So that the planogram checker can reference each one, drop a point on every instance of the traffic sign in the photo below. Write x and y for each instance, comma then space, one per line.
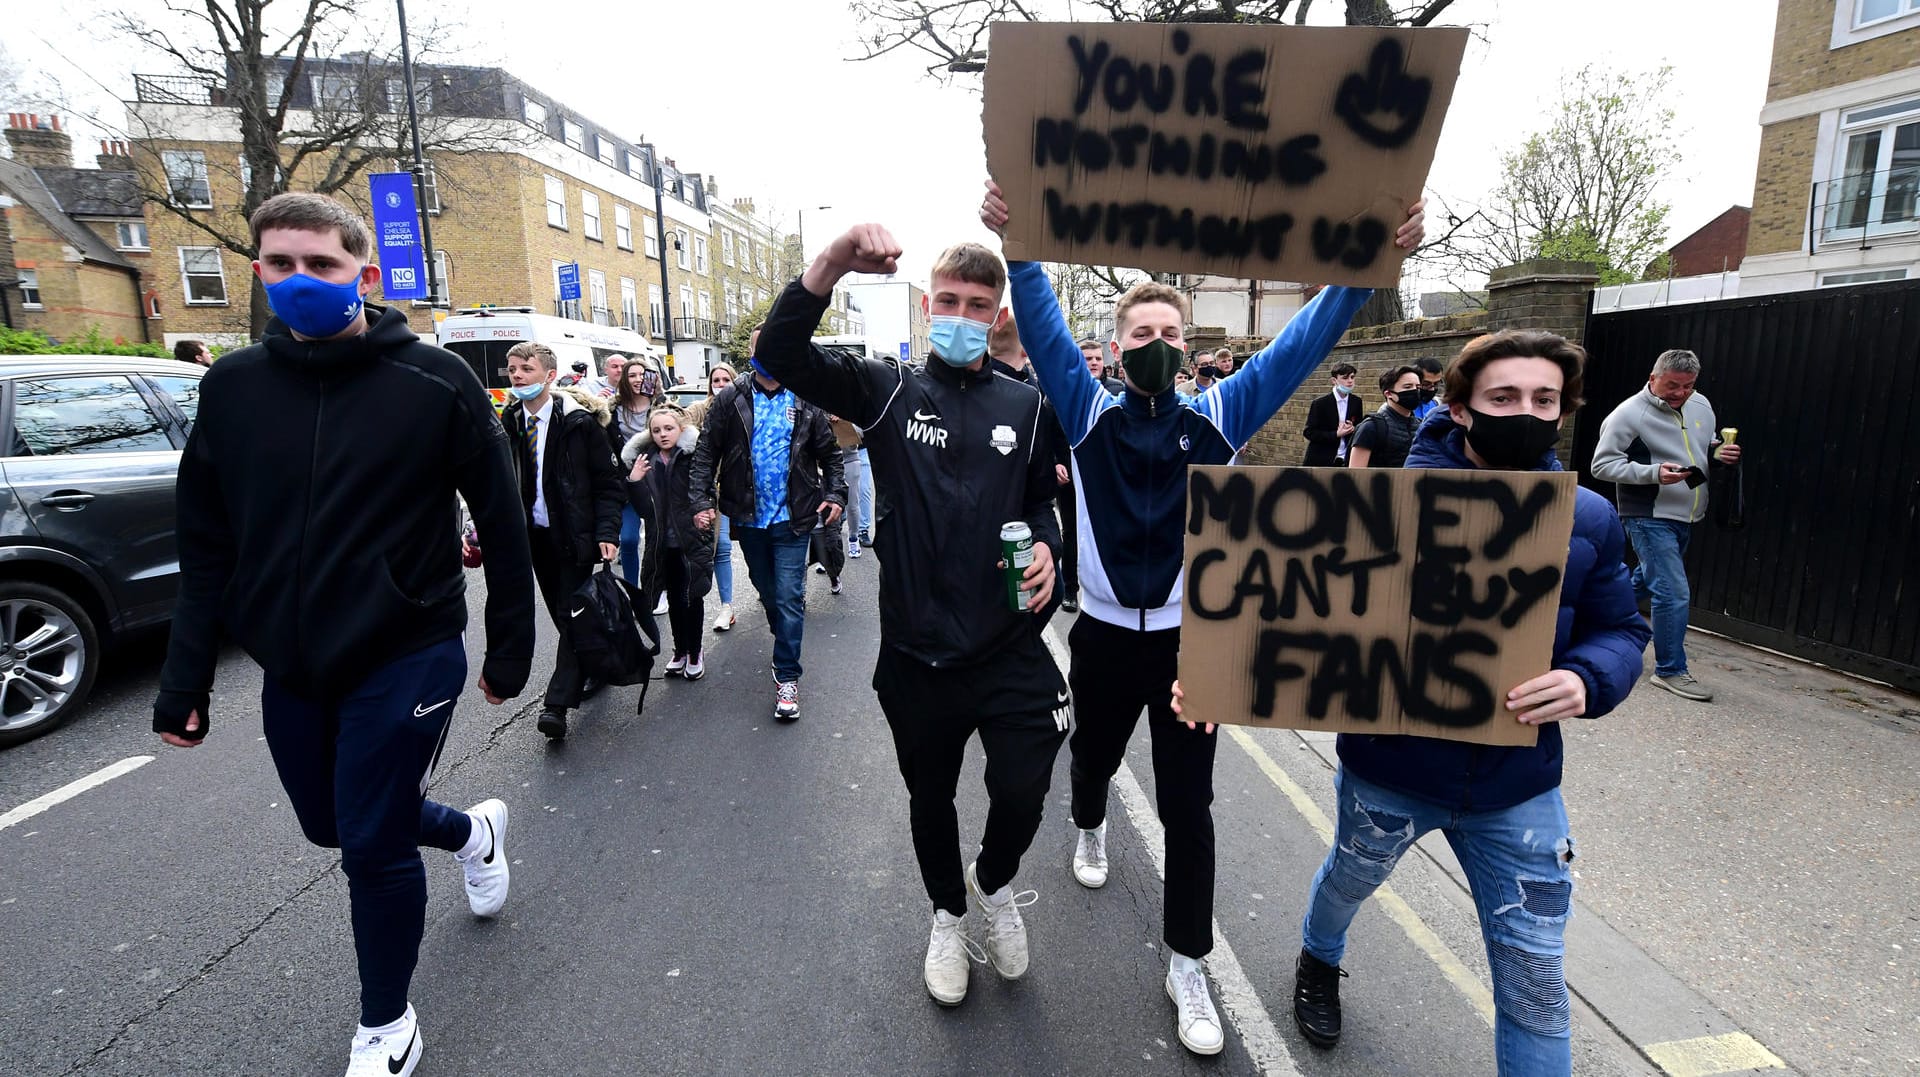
570, 281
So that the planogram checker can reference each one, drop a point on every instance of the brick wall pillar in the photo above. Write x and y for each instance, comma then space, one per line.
1544, 293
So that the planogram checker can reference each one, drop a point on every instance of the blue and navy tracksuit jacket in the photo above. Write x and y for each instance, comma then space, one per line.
1131, 452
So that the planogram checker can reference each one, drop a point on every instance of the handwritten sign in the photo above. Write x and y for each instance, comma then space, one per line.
1266, 152
1371, 601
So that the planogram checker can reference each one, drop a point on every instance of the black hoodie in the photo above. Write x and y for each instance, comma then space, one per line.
317, 520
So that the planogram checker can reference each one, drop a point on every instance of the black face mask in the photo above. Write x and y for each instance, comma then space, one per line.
1151, 366
1210, 372
1426, 393
1409, 398
1511, 442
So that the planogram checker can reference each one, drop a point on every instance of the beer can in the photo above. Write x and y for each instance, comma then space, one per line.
1016, 549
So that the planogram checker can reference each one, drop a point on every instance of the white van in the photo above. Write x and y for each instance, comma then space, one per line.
482, 335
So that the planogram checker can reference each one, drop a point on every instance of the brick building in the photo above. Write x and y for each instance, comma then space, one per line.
1715, 247
1839, 175
73, 243
521, 185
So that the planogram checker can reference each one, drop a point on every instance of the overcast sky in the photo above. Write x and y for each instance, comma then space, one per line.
759, 94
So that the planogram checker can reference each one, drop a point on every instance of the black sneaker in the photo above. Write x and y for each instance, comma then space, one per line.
865, 540
553, 723
1316, 1000
591, 687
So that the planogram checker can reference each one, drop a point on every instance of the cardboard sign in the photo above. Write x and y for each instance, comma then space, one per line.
1371, 600
1263, 152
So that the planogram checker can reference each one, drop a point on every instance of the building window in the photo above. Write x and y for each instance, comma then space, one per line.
686, 300
637, 165
732, 305
203, 276
706, 305
426, 188
1868, 12
397, 96
607, 154
682, 253
746, 252
130, 236
629, 304
590, 214
726, 246
597, 296
187, 178
153, 304
335, 92
1876, 188
30, 289
651, 228
700, 254
1862, 276
573, 135
535, 114
556, 202
656, 313
622, 227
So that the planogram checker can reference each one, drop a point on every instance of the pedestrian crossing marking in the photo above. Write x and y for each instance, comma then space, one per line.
1703, 1056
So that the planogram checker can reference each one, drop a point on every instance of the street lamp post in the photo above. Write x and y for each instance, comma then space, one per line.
419, 168
660, 228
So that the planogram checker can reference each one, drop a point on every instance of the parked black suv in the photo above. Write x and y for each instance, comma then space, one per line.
87, 548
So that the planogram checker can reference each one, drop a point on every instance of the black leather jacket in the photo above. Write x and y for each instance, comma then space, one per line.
725, 456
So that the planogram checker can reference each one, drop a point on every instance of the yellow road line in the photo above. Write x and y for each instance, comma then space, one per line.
1397, 910
1734, 1052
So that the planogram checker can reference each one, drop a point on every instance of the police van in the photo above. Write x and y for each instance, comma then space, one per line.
482, 336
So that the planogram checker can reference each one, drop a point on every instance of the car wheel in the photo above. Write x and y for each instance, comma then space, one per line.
49, 654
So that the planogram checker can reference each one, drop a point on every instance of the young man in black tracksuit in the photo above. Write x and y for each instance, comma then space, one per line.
318, 527
572, 492
956, 451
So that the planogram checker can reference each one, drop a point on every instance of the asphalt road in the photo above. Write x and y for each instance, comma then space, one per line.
699, 890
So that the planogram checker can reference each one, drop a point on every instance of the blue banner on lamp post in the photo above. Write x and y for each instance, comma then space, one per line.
396, 227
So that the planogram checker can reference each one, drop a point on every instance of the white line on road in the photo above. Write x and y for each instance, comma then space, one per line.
73, 789
1244, 1007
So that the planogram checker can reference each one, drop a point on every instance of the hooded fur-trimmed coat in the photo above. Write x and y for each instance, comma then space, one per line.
664, 496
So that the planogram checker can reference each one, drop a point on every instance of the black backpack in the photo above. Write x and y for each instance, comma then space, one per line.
614, 637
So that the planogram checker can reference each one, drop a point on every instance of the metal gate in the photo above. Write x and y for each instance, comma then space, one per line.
1824, 387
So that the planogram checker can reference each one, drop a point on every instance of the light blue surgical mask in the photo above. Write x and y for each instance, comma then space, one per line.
527, 392
958, 341
313, 307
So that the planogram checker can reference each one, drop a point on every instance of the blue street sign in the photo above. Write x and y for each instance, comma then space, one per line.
570, 281
396, 227
906, 351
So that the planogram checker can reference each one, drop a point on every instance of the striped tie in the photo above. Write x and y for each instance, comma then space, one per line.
533, 444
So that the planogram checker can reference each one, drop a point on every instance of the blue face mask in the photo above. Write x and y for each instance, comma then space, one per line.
958, 341
314, 308
527, 392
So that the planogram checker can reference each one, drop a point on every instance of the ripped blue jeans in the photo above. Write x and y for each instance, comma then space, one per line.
1518, 862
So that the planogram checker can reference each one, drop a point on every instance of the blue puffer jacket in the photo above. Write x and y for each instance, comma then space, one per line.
1599, 636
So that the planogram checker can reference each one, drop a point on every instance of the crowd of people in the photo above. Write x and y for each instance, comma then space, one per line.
317, 536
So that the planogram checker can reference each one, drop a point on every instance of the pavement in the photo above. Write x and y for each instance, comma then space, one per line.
697, 889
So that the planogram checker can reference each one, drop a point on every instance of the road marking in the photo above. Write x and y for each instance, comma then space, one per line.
1396, 908
1238, 998
73, 789
1704, 1056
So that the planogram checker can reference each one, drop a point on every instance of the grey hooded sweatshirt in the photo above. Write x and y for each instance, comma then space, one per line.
1643, 433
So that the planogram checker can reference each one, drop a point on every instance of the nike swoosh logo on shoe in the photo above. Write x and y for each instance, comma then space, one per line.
422, 712
395, 1065
488, 859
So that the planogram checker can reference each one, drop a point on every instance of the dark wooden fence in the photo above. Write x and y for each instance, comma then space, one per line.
1824, 387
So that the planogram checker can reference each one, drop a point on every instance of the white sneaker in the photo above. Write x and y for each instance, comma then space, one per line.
1090, 858
1199, 1025
390, 1054
677, 665
853, 548
486, 870
724, 622
1006, 931
660, 607
786, 701
949, 952
696, 667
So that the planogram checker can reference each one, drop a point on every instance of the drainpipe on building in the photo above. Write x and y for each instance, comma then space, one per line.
140, 304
